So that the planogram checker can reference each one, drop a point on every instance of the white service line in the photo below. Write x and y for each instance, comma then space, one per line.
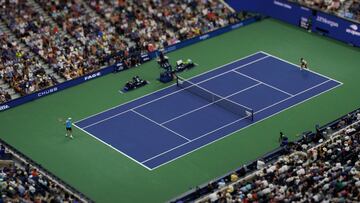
297, 66
263, 83
108, 118
297, 94
227, 135
164, 96
182, 115
98, 139
166, 128
243, 118
236, 60
268, 55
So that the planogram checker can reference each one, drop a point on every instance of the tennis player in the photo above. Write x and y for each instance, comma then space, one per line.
303, 64
68, 125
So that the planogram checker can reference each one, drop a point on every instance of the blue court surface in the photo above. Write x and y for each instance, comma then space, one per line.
170, 123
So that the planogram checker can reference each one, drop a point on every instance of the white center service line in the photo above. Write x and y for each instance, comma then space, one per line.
182, 115
263, 83
172, 93
240, 119
166, 128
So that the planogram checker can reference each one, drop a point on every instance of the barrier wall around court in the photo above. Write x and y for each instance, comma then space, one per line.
119, 66
307, 138
320, 22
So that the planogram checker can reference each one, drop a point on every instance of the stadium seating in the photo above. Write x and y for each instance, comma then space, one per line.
22, 182
43, 43
155, 24
47, 42
328, 172
20, 70
325, 168
344, 8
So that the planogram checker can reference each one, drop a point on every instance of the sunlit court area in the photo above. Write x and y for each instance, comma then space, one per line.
179, 101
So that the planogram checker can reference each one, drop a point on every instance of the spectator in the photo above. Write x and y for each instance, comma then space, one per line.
21, 183
81, 42
344, 8
328, 172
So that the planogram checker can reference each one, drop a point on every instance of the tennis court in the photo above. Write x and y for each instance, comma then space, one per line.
170, 123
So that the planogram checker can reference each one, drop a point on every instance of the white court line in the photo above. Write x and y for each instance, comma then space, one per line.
196, 84
297, 94
178, 157
164, 96
108, 118
166, 128
297, 66
98, 139
340, 83
171, 85
226, 72
224, 126
289, 94
192, 111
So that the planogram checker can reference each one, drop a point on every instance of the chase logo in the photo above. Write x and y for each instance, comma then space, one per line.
4, 107
354, 27
48, 91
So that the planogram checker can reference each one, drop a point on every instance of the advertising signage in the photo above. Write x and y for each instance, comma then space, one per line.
119, 66
338, 28
317, 21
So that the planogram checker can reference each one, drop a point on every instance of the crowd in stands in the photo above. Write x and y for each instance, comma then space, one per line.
332, 5
19, 69
155, 24
324, 170
4, 96
20, 182
354, 9
344, 8
98, 38
76, 37
55, 48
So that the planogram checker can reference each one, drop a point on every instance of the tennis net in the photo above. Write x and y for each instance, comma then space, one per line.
223, 102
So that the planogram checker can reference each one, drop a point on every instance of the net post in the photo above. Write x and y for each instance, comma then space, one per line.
252, 115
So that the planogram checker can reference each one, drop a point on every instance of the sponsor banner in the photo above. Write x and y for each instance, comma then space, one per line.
54, 89
247, 5
92, 76
283, 4
4, 107
119, 66
279, 9
47, 92
323, 23
337, 28
145, 57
